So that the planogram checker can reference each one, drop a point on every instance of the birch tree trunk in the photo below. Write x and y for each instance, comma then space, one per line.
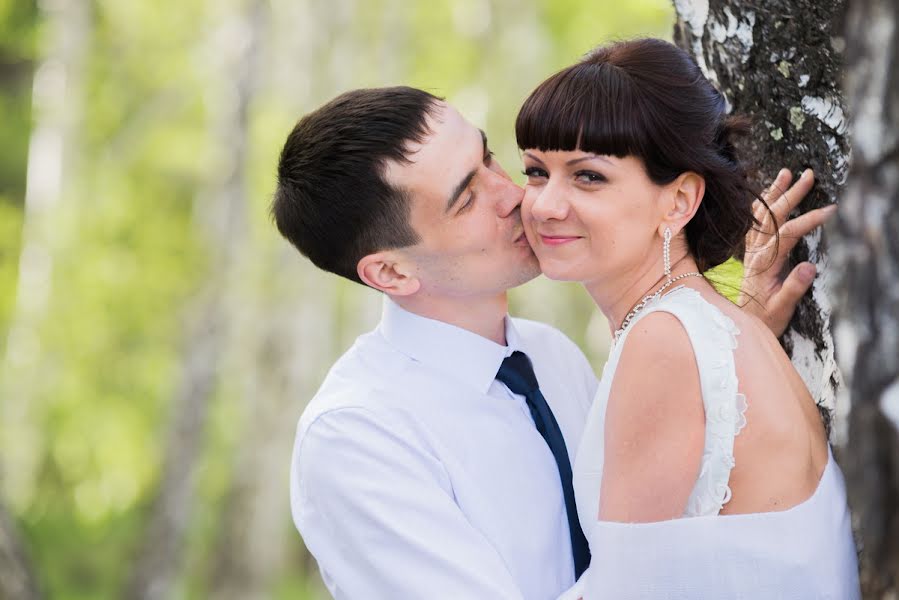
56, 104
17, 579
285, 344
780, 62
783, 60
222, 215
866, 255
56, 108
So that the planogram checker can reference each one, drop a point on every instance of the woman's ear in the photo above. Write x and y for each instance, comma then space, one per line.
387, 272
686, 195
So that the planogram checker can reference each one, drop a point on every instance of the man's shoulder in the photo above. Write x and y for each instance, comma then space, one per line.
360, 380
345, 392
342, 398
345, 420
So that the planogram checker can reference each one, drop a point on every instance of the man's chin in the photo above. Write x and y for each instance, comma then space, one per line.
525, 275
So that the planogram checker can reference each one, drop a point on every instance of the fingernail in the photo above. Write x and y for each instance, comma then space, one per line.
830, 209
807, 272
807, 173
783, 172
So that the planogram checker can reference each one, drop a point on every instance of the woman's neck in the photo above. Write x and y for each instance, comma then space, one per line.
616, 298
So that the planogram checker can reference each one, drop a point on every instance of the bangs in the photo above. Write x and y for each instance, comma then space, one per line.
588, 107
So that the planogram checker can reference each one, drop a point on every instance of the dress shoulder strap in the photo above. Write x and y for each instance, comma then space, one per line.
713, 336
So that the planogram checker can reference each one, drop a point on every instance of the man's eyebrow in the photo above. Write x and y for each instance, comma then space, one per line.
457, 191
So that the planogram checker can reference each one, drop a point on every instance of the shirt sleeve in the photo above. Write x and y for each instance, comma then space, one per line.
376, 509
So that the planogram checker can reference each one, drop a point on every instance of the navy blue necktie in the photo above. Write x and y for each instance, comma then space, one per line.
518, 375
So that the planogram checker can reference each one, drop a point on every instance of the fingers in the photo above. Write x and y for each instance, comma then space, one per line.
807, 222
794, 230
782, 304
759, 256
790, 199
771, 194
778, 186
762, 211
781, 199
773, 254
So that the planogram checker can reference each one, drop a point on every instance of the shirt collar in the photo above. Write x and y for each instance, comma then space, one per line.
463, 355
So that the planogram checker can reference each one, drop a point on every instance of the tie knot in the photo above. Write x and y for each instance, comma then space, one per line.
516, 372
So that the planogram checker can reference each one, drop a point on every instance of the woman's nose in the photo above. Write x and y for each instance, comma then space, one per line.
549, 204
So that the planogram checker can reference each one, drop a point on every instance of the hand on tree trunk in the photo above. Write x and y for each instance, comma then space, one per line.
765, 292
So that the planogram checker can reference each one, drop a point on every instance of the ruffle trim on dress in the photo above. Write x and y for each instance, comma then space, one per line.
725, 411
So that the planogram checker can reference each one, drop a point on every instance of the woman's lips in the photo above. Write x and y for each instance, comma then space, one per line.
557, 240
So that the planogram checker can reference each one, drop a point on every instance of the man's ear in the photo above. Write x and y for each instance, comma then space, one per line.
685, 196
387, 272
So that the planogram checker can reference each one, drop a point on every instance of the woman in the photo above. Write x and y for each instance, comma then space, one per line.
704, 470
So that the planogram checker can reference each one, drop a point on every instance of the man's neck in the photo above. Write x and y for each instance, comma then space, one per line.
485, 316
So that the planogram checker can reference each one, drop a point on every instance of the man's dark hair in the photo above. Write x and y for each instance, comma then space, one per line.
332, 201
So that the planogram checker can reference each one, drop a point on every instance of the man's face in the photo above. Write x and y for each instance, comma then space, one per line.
466, 211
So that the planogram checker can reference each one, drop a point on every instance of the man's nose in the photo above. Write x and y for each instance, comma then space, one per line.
509, 195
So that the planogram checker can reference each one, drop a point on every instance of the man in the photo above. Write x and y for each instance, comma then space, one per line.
424, 467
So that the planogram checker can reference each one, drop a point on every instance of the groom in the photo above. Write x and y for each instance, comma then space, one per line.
435, 460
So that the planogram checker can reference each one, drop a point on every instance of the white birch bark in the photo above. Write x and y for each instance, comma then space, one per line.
56, 103
287, 343
56, 108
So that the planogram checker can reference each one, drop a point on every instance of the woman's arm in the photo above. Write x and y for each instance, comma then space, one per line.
655, 425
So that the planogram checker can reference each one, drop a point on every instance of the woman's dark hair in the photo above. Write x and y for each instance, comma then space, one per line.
332, 201
647, 98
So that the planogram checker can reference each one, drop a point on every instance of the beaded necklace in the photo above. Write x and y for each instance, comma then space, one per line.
649, 298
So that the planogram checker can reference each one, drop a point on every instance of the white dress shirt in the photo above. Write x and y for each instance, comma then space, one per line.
415, 474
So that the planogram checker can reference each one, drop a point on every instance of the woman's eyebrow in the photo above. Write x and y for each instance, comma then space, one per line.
590, 157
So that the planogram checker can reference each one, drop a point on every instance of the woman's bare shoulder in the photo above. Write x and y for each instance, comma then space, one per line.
655, 424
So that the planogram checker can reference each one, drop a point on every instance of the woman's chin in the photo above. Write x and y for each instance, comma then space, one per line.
557, 272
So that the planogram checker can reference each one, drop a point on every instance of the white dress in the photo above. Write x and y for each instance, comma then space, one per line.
803, 552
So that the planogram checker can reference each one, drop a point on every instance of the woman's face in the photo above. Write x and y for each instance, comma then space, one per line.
591, 218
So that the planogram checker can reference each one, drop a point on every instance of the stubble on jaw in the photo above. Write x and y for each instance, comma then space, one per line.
528, 272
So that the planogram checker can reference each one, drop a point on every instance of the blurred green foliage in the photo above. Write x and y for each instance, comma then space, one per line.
129, 256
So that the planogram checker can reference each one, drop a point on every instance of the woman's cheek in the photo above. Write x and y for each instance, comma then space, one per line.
526, 218
527, 203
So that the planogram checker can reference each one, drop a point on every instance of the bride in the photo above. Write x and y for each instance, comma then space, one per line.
704, 470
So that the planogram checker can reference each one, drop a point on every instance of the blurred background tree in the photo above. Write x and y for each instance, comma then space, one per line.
159, 339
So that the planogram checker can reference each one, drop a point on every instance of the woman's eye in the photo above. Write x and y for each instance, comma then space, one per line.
589, 177
534, 172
